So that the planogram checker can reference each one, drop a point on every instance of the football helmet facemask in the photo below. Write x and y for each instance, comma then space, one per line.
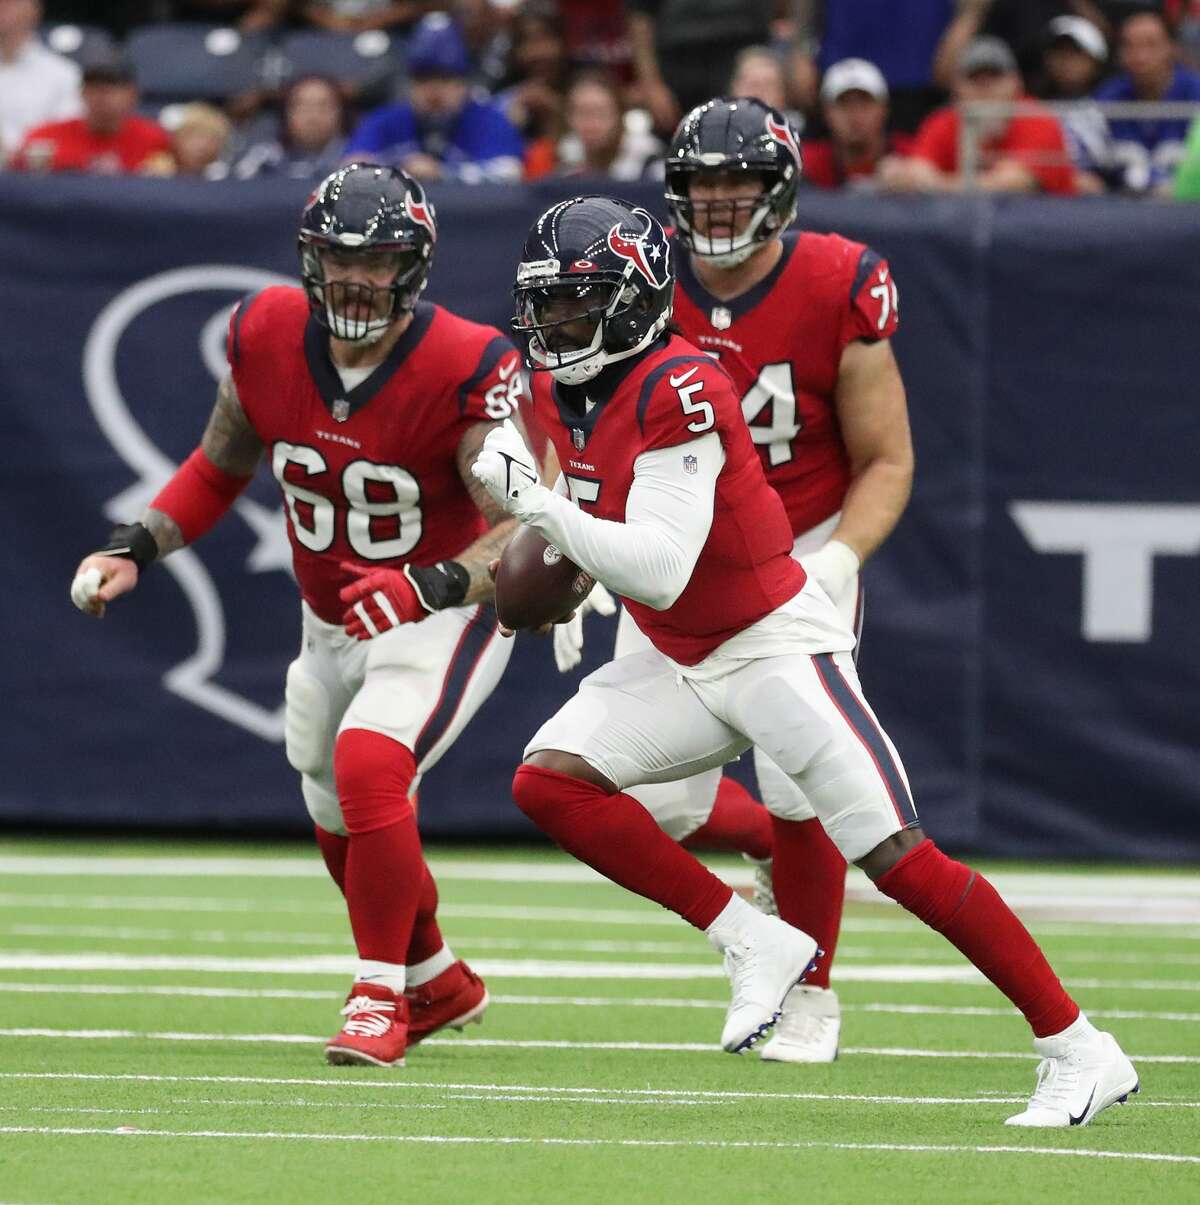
382, 215
595, 285
733, 135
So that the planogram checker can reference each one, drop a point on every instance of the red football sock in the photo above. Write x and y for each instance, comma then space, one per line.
333, 849
967, 910
737, 822
384, 865
615, 835
809, 876
426, 938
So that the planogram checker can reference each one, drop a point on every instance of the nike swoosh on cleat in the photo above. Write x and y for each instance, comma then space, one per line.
1078, 1121
677, 381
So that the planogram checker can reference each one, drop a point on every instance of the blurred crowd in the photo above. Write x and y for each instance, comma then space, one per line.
507, 90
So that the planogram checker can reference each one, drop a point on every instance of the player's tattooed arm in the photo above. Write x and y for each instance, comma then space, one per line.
477, 556
230, 443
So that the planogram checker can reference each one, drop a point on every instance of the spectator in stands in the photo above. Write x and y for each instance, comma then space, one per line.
604, 138
682, 49
899, 38
199, 135
109, 139
247, 15
1073, 58
36, 85
1021, 153
441, 132
597, 35
760, 73
488, 41
854, 103
1145, 153
536, 100
1020, 23
313, 139
358, 16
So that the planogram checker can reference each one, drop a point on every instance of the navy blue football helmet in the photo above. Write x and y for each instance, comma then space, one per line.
366, 210
595, 285
733, 134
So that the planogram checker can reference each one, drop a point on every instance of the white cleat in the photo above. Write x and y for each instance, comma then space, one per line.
808, 1029
764, 886
763, 963
1077, 1079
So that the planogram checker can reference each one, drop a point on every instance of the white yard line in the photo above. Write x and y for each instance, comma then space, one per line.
245, 993
403, 1084
519, 968
655, 1143
524, 1044
177, 934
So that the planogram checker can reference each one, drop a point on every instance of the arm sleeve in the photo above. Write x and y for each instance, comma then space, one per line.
873, 312
495, 389
650, 557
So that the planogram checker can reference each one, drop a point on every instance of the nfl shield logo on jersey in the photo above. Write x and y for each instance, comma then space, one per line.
341, 410
690, 465
578, 438
720, 318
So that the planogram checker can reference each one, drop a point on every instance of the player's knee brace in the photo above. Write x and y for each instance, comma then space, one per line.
373, 774
929, 884
322, 805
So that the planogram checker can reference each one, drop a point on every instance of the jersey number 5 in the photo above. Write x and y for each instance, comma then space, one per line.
706, 419
314, 516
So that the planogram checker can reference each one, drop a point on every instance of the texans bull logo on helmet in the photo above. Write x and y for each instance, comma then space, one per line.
635, 250
419, 212
781, 131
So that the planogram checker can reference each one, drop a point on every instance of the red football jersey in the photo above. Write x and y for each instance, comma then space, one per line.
368, 474
781, 342
668, 396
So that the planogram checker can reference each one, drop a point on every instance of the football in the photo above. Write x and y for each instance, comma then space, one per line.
536, 584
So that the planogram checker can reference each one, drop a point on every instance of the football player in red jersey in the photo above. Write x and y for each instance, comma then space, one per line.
801, 322
662, 497
370, 405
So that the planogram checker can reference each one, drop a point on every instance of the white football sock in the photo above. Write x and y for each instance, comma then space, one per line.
1080, 1030
389, 974
422, 972
731, 921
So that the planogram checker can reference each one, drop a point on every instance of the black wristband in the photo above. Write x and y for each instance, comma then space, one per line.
132, 541
439, 586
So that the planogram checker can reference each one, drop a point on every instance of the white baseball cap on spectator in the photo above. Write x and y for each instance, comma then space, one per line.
1082, 32
853, 75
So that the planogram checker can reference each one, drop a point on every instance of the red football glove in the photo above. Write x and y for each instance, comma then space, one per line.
382, 599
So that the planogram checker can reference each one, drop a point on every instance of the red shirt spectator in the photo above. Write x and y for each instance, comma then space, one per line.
72, 146
824, 169
1034, 140
110, 138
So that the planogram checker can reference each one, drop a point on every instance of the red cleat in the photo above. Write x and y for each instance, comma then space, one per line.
376, 1029
455, 998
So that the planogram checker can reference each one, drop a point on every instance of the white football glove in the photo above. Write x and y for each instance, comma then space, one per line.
833, 566
568, 636
508, 471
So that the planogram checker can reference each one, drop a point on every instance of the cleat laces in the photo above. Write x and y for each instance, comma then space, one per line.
369, 1018
1057, 1079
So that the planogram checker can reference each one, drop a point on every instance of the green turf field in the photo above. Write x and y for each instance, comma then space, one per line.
162, 1008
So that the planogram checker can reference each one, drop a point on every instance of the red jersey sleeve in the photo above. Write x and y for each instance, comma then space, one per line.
495, 389
873, 310
682, 399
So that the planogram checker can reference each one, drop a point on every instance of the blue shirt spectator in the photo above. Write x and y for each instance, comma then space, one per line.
1141, 156
440, 132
